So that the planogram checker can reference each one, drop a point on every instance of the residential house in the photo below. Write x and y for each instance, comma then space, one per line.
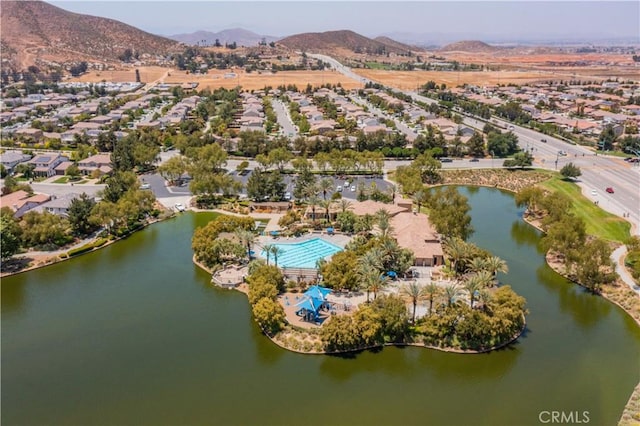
11, 159
29, 133
45, 164
101, 162
20, 202
58, 205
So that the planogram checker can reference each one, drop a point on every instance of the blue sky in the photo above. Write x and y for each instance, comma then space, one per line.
497, 20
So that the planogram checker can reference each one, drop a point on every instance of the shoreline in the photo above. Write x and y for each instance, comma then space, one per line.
399, 344
55, 259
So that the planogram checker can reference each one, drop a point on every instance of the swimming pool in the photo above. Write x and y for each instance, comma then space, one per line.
304, 254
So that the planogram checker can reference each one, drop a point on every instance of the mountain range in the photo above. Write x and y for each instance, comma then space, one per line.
37, 30
344, 39
240, 36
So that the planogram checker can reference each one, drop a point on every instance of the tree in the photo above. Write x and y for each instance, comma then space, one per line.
269, 314
26, 170
276, 251
9, 234
44, 229
473, 286
451, 293
391, 312
346, 221
246, 237
607, 138
448, 212
476, 145
409, 178
570, 171
80, 213
494, 265
502, 144
415, 292
122, 157
118, 184
520, 159
173, 168
594, 265
268, 249
73, 172
340, 272
431, 291
325, 185
530, 198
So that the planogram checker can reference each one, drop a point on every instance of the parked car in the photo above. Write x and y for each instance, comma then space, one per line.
145, 186
474, 160
179, 207
446, 160
562, 153
610, 190
287, 196
353, 188
594, 192
339, 188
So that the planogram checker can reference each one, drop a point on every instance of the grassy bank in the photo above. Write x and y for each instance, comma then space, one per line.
599, 223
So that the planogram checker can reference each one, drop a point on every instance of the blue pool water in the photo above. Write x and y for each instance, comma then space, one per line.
304, 254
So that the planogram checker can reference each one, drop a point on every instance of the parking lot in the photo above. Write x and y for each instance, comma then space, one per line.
346, 185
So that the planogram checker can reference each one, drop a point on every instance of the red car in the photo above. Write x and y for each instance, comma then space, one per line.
610, 190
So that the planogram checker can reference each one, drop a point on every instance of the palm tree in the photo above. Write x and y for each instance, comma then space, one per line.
415, 292
431, 291
477, 264
268, 249
368, 279
495, 265
379, 284
276, 251
451, 292
457, 251
326, 205
325, 185
344, 204
246, 237
484, 278
384, 222
369, 267
313, 203
484, 297
420, 197
472, 285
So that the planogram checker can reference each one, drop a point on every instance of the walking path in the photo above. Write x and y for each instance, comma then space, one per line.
618, 258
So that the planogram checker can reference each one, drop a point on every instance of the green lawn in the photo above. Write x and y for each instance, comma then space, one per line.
377, 66
63, 179
599, 222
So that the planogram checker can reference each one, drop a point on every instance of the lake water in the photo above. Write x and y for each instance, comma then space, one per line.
134, 334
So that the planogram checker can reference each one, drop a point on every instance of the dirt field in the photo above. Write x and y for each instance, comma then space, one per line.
254, 81
147, 75
214, 79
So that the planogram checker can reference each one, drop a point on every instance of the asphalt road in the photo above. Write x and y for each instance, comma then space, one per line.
284, 119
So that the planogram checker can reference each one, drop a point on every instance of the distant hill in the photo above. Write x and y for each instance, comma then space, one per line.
343, 39
475, 46
396, 44
241, 36
33, 30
